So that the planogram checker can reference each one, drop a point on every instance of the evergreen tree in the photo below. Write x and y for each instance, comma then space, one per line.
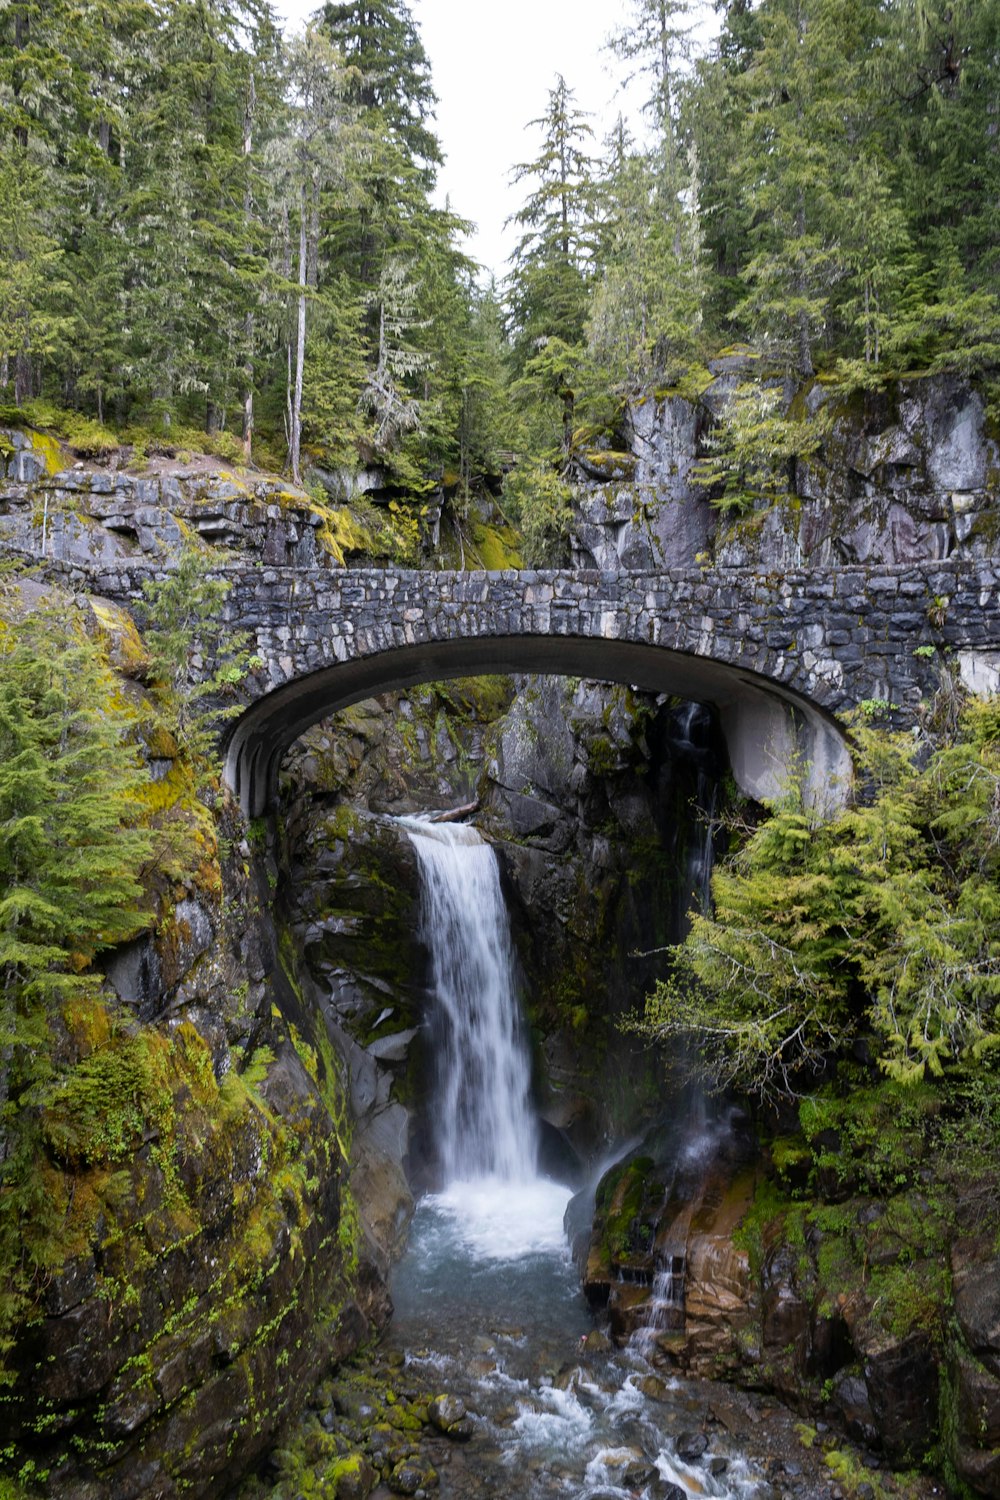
482, 378
390, 76
880, 922
547, 289
191, 239
181, 618
645, 309
73, 849
387, 82
312, 160
794, 163
658, 41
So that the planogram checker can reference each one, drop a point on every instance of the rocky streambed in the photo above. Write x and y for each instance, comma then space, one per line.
493, 1381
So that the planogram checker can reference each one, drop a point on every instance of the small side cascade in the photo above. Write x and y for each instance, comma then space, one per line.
665, 1309
701, 853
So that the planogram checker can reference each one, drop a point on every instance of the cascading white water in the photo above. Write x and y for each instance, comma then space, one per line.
484, 1123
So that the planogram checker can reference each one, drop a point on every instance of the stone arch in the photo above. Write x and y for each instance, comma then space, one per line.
770, 729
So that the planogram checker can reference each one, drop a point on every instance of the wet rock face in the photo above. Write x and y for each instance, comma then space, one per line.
677, 1258
976, 1368
348, 894
653, 517
659, 1256
214, 1272
591, 794
908, 475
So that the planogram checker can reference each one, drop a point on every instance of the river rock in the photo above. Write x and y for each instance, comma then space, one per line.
665, 1489
353, 1477
691, 1446
411, 1475
976, 1280
597, 1342
850, 1397
449, 1415
628, 1466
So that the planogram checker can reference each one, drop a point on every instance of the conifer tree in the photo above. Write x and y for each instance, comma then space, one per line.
390, 76
72, 845
547, 288
794, 161
658, 42
312, 161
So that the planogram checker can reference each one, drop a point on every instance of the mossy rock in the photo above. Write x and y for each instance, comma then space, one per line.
351, 1478
628, 1201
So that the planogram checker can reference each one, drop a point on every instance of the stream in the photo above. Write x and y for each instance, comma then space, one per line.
488, 1307
492, 1379
487, 1300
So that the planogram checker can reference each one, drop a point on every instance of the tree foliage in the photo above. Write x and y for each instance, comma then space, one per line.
210, 225
881, 924
183, 631
74, 852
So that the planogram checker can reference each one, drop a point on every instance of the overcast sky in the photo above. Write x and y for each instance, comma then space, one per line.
492, 66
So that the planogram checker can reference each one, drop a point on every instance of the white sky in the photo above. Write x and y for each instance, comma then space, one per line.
492, 66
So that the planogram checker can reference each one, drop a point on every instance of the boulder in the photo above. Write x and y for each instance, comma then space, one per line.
976, 1281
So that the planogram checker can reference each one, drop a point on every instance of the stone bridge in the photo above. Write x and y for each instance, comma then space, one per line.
783, 658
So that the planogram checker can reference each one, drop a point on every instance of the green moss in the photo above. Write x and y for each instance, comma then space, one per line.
82, 435
850, 1473
691, 385
602, 755
622, 1196
769, 1203
496, 548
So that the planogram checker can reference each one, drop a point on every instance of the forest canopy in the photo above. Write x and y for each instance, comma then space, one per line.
211, 226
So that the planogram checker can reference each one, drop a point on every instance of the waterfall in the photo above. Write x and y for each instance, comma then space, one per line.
700, 857
483, 1120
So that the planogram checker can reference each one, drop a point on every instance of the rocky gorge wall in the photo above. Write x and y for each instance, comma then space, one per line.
848, 1267
203, 1257
189, 1320
908, 474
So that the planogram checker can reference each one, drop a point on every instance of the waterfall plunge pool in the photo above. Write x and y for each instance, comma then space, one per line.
488, 1307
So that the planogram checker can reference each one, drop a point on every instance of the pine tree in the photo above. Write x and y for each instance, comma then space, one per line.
658, 41
181, 623
390, 77
196, 254
645, 310
312, 161
794, 162
388, 85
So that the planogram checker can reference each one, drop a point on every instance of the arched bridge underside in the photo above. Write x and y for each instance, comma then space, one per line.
784, 659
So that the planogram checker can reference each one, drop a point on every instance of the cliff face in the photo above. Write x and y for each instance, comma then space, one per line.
201, 1258
909, 474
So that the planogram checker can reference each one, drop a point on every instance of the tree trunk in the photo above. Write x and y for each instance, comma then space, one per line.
300, 341
806, 367
22, 377
21, 38
248, 321
568, 402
